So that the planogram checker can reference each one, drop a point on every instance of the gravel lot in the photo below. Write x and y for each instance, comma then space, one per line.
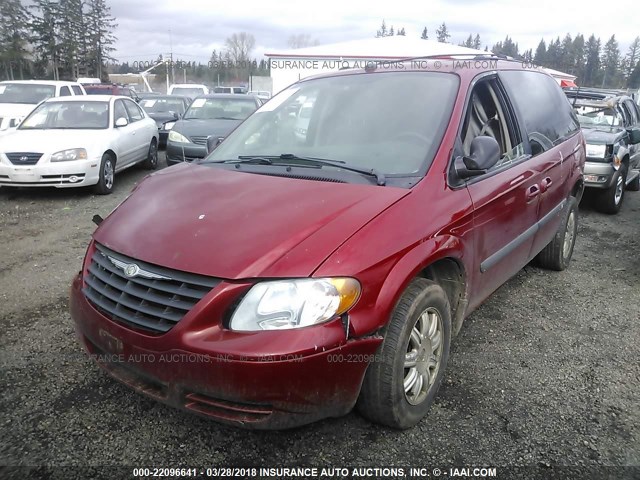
545, 373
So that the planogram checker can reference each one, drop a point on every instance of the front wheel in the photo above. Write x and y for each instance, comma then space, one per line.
107, 175
557, 254
402, 382
610, 200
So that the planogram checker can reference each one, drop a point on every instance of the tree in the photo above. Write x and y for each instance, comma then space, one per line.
567, 59
611, 63
540, 57
579, 54
554, 54
634, 79
13, 39
239, 46
632, 57
468, 42
476, 42
401, 32
592, 61
302, 40
390, 34
443, 34
425, 35
73, 39
100, 26
45, 27
383, 30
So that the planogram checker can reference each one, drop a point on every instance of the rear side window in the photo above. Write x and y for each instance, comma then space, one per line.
633, 112
76, 90
544, 108
65, 92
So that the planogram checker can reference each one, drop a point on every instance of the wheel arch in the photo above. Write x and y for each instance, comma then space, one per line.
113, 155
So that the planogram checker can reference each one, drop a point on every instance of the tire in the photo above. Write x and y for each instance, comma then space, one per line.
634, 185
383, 398
107, 175
557, 255
610, 200
151, 162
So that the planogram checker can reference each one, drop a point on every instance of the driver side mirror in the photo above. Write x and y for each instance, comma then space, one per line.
213, 142
485, 153
634, 135
122, 122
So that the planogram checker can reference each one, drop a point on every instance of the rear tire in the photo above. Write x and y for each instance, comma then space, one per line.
403, 380
557, 255
107, 175
610, 200
151, 162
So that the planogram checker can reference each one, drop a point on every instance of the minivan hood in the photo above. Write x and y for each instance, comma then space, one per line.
602, 135
236, 225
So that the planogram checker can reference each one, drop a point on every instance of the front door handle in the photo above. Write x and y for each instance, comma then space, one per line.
532, 192
545, 184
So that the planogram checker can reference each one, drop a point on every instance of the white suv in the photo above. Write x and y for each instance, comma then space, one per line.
191, 90
19, 97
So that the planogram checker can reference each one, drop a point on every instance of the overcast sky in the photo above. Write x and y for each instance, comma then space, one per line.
193, 28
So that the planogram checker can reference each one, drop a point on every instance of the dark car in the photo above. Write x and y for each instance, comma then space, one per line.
111, 89
163, 109
287, 278
610, 122
208, 116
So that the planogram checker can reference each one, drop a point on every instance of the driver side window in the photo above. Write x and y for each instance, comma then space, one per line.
486, 116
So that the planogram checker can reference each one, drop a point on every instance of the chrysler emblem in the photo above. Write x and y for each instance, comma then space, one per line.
131, 270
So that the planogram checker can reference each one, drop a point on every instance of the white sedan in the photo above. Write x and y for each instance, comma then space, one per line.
78, 141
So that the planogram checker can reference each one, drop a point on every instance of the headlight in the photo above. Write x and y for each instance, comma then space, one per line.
68, 155
169, 125
178, 137
287, 304
597, 151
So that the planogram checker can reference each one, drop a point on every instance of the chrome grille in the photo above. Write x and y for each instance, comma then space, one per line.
198, 140
155, 300
23, 158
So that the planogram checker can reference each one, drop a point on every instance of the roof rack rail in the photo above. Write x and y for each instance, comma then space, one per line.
474, 56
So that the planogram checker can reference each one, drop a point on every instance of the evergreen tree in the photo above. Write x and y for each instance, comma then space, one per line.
476, 42
402, 32
592, 61
468, 42
632, 57
566, 61
45, 28
383, 30
579, 54
443, 34
611, 63
634, 79
100, 26
390, 34
425, 35
540, 57
13, 39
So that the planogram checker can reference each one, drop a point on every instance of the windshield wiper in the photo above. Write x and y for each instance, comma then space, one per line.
245, 159
320, 162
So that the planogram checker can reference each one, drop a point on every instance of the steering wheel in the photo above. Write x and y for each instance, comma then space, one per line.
412, 136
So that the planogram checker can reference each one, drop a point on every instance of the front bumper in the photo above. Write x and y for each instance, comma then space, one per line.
264, 380
78, 173
598, 174
184, 152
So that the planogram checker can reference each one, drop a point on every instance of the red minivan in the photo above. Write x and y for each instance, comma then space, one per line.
307, 266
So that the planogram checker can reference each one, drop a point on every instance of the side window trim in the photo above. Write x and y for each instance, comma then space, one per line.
126, 114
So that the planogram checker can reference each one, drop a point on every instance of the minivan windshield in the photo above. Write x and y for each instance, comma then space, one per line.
187, 92
29, 93
392, 122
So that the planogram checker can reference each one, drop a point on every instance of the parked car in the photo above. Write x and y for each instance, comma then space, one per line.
165, 108
111, 89
212, 115
261, 94
190, 90
78, 141
611, 125
236, 90
19, 97
289, 281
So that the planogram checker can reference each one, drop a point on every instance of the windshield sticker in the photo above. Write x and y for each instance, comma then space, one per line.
199, 102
